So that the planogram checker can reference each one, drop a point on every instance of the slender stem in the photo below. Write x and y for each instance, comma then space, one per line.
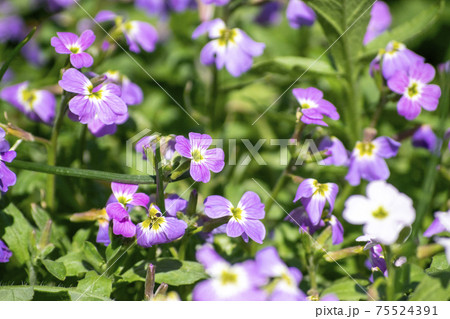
53, 149
159, 179
84, 173
31, 274
390, 288
379, 109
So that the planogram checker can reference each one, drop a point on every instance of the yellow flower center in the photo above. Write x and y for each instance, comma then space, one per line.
365, 148
94, 95
237, 213
380, 213
155, 219
286, 278
29, 96
396, 46
74, 49
197, 155
321, 189
413, 90
227, 277
227, 35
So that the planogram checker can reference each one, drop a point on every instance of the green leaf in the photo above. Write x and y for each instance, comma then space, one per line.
40, 216
344, 23
439, 263
347, 289
406, 31
172, 271
94, 284
51, 293
73, 262
56, 268
295, 66
433, 288
92, 255
17, 233
16, 293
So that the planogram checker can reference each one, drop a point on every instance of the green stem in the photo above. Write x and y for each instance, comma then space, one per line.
160, 200
83, 173
53, 151
15, 52
379, 109
31, 274
390, 287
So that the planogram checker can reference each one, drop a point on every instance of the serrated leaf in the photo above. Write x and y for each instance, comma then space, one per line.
16, 293
17, 233
56, 268
347, 289
295, 65
405, 31
94, 284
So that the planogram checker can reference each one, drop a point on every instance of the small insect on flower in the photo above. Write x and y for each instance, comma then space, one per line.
380, 21
159, 229
395, 57
203, 160
415, 90
93, 103
300, 14
5, 253
424, 137
367, 160
228, 282
38, 105
314, 195
70, 43
231, 48
384, 212
123, 200
313, 107
7, 177
245, 216
285, 279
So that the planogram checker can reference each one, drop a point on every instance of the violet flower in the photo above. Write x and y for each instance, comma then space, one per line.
101, 102
158, 229
314, 195
300, 14
441, 223
269, 13
38, 105
7, 177
367, 160
424, 137
380, 21
413, 85
229, 48
5, 253
335, 151
286, 279
216, 2
131, 93
313, 107
103, 229
228, 282
202, 159
70, 43
245, 217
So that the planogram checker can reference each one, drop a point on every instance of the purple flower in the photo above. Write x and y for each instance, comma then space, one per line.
103, 229
131, 93
12, 26
367, 160
231, 48
228, 282
216, 2
444, 67
269, 13
70, 43
313, 107
441, 223
417, 93
245, 216
337, 231
394, 58
376, 261
140, 35
125, 197
173, 203
380, 21
157, 229
300, 217
7, 177
167, 146
5, 253
162, 7
335, 151
286, 279
314, 195
202, 159
299, 14
38, 105
425, 138
102, 102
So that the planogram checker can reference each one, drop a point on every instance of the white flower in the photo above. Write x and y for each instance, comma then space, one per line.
384, 212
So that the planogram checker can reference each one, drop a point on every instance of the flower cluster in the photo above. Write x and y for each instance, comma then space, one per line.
7, 177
